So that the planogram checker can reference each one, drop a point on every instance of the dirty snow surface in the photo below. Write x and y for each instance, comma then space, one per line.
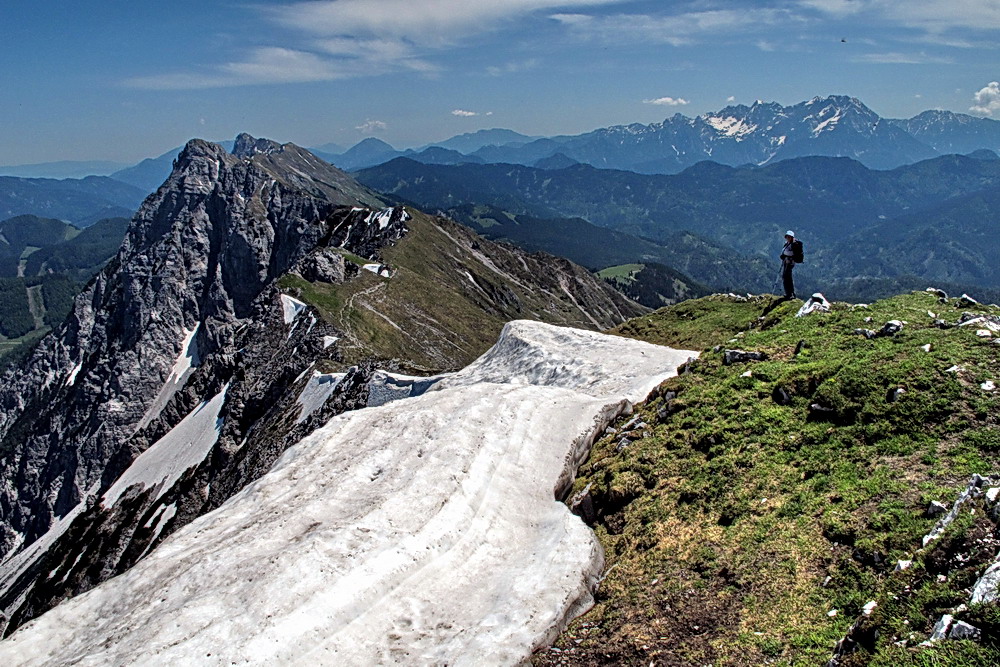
423, 531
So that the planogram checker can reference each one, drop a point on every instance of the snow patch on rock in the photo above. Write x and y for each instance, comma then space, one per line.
316, 392
185, 363
182, 447
291, 308
424, 531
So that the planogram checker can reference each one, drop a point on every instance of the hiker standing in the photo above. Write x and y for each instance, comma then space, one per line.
790, 254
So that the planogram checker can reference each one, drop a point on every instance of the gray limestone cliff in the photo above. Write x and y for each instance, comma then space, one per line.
197, 254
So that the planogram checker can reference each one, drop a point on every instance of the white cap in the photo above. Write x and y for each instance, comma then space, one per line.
790, 233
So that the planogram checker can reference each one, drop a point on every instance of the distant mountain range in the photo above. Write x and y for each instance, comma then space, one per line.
760, 134
43, 264
80, 201
63, 169
929, 220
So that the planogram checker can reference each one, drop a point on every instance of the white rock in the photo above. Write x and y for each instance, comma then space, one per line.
903, 565
817, 303
926, 348
869, 607
985, 589
940, 630
989, 385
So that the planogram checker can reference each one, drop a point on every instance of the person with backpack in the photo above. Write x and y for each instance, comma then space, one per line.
791, 255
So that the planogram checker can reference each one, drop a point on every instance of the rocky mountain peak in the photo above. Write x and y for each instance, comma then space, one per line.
247, 146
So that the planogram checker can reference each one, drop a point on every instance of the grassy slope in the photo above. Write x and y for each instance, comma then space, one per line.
624, 272
733, 525
431, 316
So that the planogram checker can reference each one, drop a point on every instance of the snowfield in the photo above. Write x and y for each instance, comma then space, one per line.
423, 531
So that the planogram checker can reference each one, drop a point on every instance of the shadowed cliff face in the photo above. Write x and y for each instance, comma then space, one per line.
197, 253
184, 371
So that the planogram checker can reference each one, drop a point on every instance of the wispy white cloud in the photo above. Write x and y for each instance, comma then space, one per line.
676, 30
896, 58
934, 16
371, 126
986, 101
513, 67
667, 101
263, 66
427, 22
463, 113
336, 39
837, 8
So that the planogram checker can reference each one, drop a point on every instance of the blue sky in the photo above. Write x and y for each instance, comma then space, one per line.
116, 80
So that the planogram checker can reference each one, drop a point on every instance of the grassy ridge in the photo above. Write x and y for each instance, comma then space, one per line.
449, 296
744, 527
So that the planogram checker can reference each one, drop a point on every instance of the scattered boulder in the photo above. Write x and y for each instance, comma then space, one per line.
985, 589
989, 385
903, 565
324, 266
894, 393
821, 412
936, 509
632, 423
939, 293
801, 345
890, 328
962, 630
867, 333
730, 357
781, 396
966, 300
582, 505
940, 630
817, 303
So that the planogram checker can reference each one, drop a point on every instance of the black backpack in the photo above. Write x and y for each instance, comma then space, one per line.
797, 255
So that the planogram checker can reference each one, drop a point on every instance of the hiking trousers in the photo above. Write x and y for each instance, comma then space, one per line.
786, 278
